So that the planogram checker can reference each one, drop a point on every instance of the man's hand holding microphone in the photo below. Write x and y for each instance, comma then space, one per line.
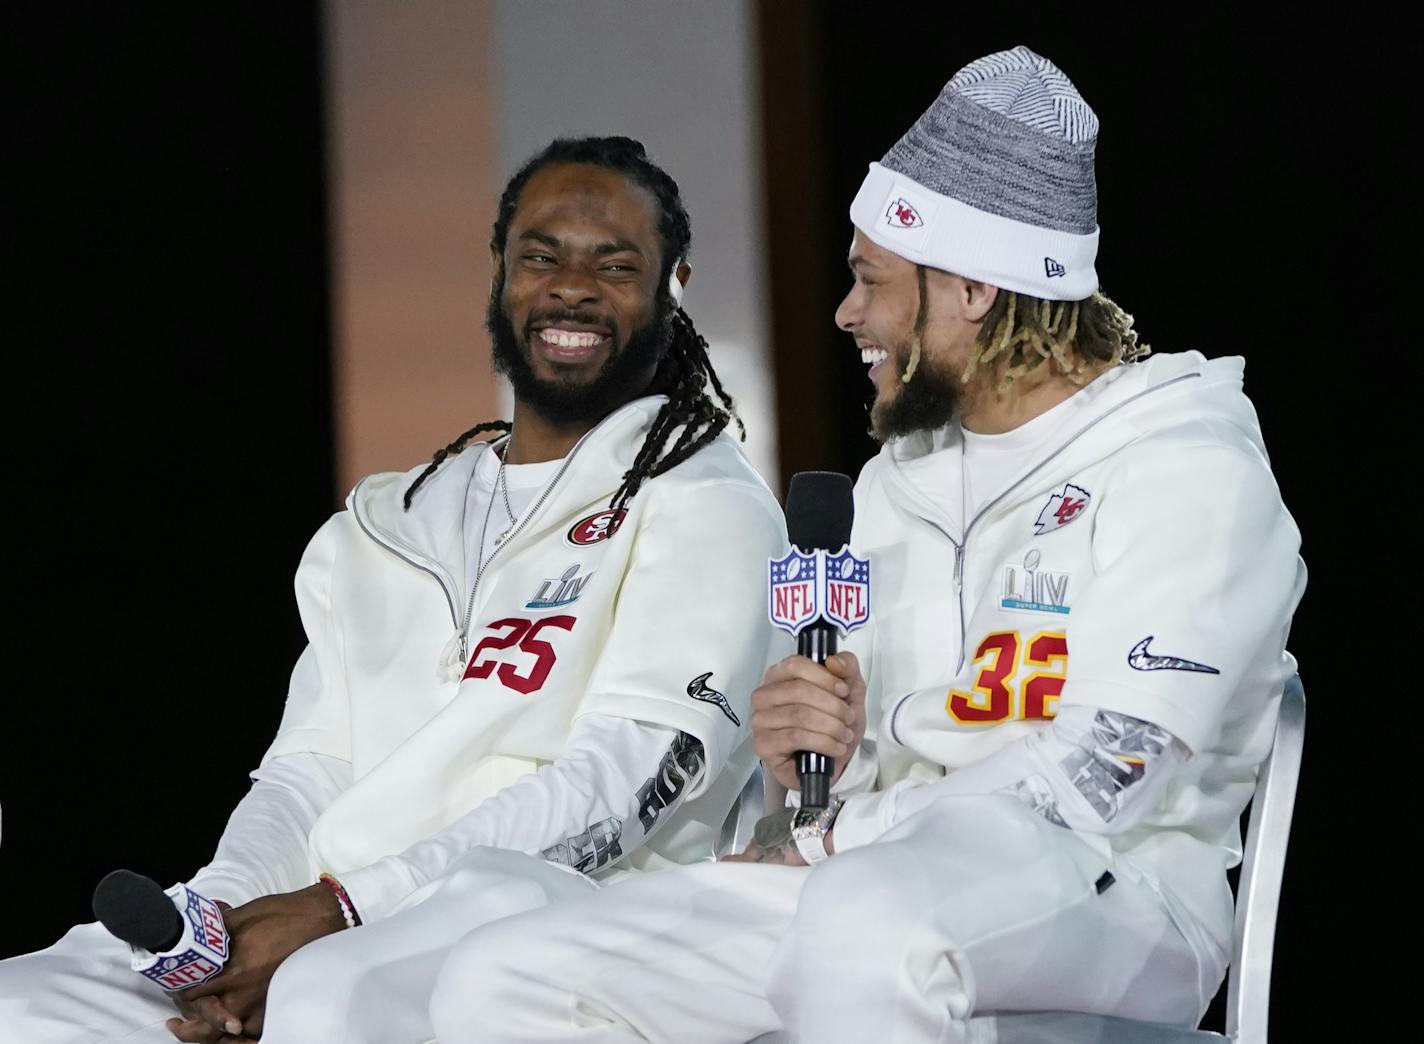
808, 715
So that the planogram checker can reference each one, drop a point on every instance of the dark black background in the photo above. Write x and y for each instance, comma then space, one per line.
170, 441
169, 376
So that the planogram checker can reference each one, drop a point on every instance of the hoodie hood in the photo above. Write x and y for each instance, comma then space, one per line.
433, 528
1174, 395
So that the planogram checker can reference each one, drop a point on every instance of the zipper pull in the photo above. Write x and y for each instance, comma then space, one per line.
452, 659
958, 567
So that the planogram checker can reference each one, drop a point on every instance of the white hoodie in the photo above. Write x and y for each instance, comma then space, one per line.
1145, 566
567, 621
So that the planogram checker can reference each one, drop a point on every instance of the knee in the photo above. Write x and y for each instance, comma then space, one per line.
841, 915
861, 916
476, 978
862, 890
79, 990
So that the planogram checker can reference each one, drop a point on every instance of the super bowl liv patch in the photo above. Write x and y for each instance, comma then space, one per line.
559, 590
1027, 588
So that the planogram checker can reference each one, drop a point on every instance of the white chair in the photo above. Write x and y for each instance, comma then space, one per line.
1248, 984
1258, 894
744, 816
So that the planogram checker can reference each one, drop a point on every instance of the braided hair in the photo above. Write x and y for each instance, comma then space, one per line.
684, 371
1021, 332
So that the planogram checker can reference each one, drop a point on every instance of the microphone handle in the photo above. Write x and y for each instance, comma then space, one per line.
816, 642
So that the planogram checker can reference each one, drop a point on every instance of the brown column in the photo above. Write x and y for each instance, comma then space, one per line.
798, 241
413, 168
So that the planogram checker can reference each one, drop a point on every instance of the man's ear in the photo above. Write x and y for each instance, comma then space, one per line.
978, 299
496, 266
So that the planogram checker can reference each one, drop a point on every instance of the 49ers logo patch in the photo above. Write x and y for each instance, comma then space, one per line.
596, 527
1062, 508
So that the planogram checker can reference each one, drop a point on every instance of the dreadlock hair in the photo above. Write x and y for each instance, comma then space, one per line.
1020, 332
450, 451
684, 371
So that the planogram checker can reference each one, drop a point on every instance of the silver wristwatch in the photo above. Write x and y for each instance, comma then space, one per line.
809, 827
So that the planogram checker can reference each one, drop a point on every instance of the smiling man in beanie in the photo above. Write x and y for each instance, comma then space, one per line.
1084, 582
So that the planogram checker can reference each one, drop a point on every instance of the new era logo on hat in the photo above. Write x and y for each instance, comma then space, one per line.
1052, 268
902, 215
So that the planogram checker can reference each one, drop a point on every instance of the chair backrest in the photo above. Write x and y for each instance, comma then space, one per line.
743, 816
1258, 893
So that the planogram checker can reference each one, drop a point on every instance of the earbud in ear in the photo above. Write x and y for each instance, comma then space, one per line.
675, 286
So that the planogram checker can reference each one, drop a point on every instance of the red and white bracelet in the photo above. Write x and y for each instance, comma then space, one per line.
348, 909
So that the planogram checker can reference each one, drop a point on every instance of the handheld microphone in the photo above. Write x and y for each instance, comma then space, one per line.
819, 591
178, 939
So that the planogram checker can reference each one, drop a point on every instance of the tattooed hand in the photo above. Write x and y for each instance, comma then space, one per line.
771, 842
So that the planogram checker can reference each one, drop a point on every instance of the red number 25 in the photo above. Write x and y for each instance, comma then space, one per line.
524, 634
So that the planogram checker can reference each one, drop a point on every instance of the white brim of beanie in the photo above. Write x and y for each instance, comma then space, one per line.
927, 228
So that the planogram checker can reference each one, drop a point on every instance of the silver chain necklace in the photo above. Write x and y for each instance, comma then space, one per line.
502, 484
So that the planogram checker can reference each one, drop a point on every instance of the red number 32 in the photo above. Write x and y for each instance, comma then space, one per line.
998, 694
524, 634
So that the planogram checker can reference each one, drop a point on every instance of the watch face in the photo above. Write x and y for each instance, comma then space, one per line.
807, 820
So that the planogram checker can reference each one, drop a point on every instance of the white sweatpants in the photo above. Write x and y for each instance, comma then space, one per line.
973, 905
369, 986
81, 991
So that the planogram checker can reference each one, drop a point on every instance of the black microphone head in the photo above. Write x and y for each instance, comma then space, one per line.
819, 510
134, 909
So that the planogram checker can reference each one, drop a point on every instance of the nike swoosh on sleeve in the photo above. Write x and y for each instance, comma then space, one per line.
1139, 659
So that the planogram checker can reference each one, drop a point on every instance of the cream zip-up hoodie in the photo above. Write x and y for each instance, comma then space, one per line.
578, 612
1145, 566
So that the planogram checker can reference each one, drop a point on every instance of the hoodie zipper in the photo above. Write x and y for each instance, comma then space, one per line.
407, 555
480, 572
421, 562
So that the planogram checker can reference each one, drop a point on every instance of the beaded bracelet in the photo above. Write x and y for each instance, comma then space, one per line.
348, 909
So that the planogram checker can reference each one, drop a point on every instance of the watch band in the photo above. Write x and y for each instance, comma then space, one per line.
809, 829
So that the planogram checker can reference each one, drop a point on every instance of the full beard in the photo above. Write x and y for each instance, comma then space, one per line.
928, 402
624, 376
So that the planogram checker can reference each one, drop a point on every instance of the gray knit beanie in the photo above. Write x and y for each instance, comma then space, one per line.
995, 181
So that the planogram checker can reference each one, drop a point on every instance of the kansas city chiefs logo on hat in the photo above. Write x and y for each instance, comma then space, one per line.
901, 214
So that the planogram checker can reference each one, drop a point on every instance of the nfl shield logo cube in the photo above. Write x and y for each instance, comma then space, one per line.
209, 931
200, 952
792, 602
181, 970
847, 602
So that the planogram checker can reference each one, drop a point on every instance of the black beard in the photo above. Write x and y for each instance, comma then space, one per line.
624, 376
928, 402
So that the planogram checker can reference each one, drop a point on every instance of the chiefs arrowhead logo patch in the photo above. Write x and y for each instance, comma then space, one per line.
901, 214
1063, 507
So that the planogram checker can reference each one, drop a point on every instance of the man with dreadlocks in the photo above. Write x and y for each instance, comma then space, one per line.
529, 662
1084, 580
